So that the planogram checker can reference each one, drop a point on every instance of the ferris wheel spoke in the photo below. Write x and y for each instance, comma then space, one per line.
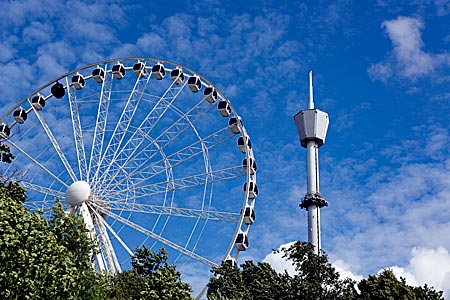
141, 191
159, 238
44, 205
142, 171
100, 124
148, 123
40, 165
172, 211
77, 130
128, 153
123, 123
55, 145
42, 190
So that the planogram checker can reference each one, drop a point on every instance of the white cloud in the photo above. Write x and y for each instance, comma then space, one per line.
381, 71
20, 74
6, 52
408, 58
37, 33
427, 266
345, 270
279, 263
152, 43
406, 37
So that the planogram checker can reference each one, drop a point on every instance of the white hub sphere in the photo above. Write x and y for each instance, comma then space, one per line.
77, 193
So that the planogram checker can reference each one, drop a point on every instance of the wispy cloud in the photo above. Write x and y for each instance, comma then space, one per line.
408, 59
442, 7
376, 205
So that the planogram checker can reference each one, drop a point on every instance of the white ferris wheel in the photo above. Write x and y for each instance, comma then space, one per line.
147, 151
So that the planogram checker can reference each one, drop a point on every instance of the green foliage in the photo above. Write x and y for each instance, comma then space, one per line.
5, 154
53, 259
150, 278
315, 279
40, 259
427, 293
228, 283
252, 281
386, 286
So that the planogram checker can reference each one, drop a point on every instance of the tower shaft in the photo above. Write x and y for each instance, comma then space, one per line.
312, 171
312, 126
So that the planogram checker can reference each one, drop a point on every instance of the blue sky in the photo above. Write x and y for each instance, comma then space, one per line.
381, 71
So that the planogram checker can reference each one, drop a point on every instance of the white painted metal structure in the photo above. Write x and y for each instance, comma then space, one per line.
312, 125
146, 159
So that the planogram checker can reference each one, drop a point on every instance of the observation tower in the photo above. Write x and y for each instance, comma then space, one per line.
312, 125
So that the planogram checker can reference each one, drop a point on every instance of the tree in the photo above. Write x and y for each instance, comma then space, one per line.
386, 286
255, 281
151, 277
42, 259
315, 279
53, 259
5, 154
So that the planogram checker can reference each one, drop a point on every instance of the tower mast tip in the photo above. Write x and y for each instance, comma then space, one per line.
311, 97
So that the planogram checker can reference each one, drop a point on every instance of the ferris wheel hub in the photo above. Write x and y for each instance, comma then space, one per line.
77, 193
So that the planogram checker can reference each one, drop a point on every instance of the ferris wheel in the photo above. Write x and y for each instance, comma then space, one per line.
147, 151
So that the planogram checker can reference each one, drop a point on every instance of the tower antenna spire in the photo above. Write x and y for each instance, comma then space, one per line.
312, 126
311, 96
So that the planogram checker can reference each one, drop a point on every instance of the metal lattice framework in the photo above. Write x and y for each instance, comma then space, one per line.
167, 159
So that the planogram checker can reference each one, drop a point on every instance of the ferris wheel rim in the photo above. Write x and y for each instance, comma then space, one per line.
107, 61
248, 150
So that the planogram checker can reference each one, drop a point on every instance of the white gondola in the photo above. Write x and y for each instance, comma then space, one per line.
158, 71
118, 70
20, 115
234, 123
210, 94
249, 166
177, 75
98, 74
231, 261
78, 81
252, 189
58, 90
139, 69
249, 215
224, 108
194, 83
38, 102
243, 142
4, 131
241, 242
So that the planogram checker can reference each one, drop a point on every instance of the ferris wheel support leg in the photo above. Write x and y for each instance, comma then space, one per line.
90, 227
111, 258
